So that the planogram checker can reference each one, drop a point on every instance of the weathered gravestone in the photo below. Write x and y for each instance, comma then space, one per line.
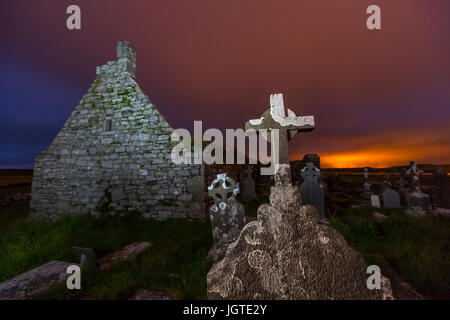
248, 185
375, 201
86, 256
391, 198
287, 254
312, 191
366, 184
441, 189
227, 215
418, 202
387, 182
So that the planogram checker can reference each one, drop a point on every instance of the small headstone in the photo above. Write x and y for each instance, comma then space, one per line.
248, 185
375, 201
85, 256
391, 198
227, 215
312, 191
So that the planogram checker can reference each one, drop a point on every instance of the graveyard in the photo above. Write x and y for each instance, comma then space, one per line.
418, 265
117, 196
215, 152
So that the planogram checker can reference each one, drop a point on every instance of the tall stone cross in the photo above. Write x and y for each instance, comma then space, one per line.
288, 126
415, 173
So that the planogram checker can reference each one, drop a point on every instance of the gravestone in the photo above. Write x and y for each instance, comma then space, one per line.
85, 256
286, 253
248, 185
414, 173
366, 185
391, 198
442, 190
227, 215
387, 184
418, 202
375, 201
312, 191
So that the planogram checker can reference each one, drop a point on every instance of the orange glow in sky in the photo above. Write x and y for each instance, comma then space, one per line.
381, 157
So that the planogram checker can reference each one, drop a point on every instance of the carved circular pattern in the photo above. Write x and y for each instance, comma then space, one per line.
259, 259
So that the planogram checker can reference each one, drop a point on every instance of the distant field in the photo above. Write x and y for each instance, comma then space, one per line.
12, 180
16, 172
427, 168
15, 181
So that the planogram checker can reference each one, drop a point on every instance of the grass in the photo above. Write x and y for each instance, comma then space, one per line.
417, 248
176, 263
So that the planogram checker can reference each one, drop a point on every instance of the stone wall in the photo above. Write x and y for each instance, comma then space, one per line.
113, 155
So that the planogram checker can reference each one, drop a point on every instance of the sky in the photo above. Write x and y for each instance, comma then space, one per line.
379, 97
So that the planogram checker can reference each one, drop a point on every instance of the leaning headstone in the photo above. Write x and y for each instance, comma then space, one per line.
418, 202
375, 201
312, 191
35, 281
248, 185
287, 254
366, 185
391, 198
227, 215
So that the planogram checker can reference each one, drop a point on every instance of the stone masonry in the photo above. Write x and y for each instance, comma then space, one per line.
113, 155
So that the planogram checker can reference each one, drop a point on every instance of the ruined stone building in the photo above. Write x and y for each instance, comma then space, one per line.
113, 155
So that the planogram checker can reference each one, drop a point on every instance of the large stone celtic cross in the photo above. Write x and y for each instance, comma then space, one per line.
287, 126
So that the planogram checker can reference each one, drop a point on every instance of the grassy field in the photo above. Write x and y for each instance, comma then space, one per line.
176, 263
417, 248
